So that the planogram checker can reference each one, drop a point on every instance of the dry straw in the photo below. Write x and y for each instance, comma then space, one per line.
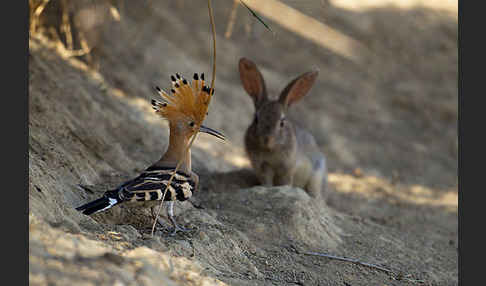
203, 108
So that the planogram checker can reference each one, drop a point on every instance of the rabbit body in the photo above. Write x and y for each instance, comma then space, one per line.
282, 152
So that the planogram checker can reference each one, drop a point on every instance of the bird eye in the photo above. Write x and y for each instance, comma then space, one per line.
192, 124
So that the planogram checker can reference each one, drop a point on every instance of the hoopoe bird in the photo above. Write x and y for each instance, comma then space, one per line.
185, 108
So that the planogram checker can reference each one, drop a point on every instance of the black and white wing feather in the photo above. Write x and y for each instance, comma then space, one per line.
148, 186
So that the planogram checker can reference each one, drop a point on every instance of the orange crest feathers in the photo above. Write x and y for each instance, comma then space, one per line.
185, 100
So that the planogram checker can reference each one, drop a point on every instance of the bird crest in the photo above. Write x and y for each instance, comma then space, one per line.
185, 100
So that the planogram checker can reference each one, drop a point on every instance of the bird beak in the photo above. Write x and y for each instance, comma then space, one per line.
212, 132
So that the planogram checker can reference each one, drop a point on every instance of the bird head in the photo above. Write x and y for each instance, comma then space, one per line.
186, 106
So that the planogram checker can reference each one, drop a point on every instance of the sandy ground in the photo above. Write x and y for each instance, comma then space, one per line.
383, 110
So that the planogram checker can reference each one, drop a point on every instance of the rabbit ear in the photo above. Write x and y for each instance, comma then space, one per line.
297, 88
252, 81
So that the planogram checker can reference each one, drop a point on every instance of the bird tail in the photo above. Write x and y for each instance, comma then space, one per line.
109, 200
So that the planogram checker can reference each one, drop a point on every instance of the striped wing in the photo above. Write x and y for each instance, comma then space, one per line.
151, 185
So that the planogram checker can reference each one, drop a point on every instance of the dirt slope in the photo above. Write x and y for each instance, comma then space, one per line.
392, 114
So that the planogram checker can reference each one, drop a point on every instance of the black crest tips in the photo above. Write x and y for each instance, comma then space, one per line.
202, 76
178, 76
196, 77
156, 104
172, 90
184, 81
172, 78
158, 89
176, 85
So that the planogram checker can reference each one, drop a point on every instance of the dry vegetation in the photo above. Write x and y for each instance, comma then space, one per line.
384, 111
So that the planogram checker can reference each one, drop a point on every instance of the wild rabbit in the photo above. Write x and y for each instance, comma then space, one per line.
282, 153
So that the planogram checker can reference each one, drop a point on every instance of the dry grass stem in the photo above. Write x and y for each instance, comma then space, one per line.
398, 275
231, 20
36, 14
211, 17
66, 26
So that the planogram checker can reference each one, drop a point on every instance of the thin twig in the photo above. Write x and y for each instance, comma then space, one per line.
66, 25
78, 53
258, 17
349, 260
199, 125
211, 17
398, 274
170, 182
231, 20
37, 12
85, 48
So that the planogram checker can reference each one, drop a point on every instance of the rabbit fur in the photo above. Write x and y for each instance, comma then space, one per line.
282, 152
